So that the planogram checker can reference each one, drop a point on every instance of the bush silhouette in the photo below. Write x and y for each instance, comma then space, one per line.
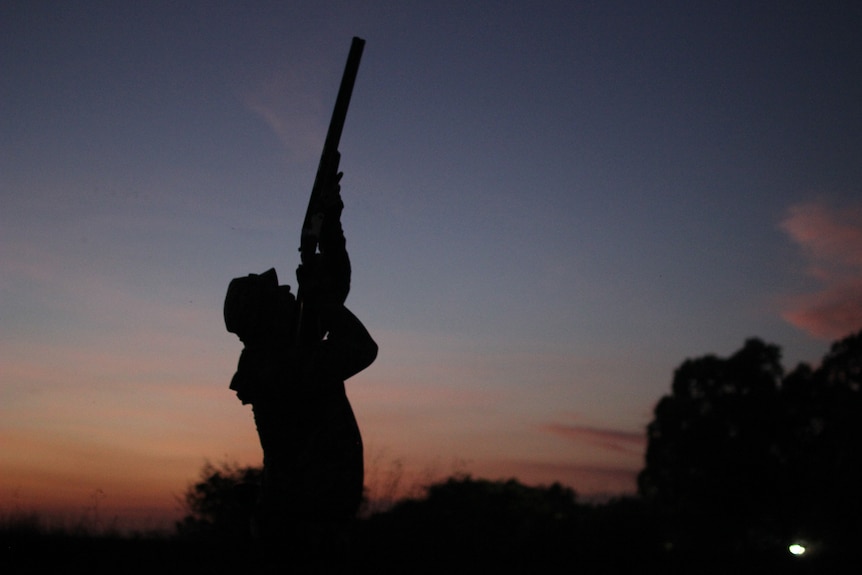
465, 521
221, 503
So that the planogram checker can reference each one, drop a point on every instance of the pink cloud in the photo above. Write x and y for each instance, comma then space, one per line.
831, 241
613, 439
291, 101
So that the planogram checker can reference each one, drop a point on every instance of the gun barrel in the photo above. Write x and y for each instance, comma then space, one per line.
342, 101
329, 156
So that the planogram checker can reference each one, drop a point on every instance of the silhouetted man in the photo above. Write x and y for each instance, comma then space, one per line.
294, 380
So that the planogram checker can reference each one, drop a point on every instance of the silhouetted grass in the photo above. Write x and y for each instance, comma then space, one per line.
33, 544
459, 526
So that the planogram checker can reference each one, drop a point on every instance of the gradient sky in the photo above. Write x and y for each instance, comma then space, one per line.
550, 205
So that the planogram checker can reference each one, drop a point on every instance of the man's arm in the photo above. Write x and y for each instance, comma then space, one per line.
348, 348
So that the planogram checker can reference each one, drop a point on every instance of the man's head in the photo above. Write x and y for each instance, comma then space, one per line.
256, 308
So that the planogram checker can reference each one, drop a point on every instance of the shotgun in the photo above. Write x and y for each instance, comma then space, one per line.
327, 172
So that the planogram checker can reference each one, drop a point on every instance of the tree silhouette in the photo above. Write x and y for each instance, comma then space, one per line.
740, 453
822, 442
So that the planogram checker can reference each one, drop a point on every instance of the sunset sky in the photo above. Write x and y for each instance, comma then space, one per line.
549, 206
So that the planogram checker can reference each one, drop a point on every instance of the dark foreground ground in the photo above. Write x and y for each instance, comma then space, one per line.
374, 549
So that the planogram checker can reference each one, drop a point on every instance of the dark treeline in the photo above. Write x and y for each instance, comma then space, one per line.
743, 460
